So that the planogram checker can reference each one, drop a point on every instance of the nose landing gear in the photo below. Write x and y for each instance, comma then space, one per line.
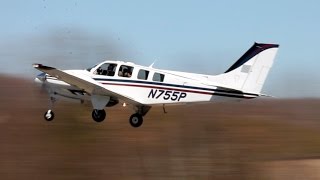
49, 115
98, 115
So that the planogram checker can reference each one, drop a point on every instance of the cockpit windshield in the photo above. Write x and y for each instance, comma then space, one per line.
89, 69
106, 69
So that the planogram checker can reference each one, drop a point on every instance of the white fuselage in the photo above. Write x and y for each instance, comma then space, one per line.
112, 82
170, 87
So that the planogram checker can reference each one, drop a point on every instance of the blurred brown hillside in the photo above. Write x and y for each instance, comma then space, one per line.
256, 139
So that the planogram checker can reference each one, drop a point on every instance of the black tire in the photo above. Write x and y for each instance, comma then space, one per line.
49, 115
98, 115
136, 120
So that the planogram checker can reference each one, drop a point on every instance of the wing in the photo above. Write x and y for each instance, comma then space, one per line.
84, 82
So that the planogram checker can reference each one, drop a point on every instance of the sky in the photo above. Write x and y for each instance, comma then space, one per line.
194, 36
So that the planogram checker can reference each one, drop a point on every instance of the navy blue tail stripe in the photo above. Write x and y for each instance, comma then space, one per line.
253, 51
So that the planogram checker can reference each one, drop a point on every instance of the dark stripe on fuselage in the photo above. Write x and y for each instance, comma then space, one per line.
174, 85
191, 89
157, 87
233, 96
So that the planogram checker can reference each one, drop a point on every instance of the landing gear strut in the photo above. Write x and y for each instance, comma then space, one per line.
98, 115
49, 115
99, 102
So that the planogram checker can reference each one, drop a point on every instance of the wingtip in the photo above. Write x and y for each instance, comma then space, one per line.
40, 66
36, 65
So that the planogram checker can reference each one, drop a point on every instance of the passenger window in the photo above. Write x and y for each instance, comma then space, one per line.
106, 69
125, 71
143, 74
158, 77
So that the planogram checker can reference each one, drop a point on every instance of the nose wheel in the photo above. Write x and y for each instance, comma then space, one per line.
136, 120
98, 115
49, 115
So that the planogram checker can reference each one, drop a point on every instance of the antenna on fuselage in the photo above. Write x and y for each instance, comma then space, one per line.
151, 66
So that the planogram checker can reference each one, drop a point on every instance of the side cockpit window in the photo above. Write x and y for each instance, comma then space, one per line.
143, 74
107, 69
158, 77
125, 71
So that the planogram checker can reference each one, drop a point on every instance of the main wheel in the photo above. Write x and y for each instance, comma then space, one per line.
49, 115
136, 120
98, 115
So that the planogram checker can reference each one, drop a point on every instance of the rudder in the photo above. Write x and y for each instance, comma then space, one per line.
249, 73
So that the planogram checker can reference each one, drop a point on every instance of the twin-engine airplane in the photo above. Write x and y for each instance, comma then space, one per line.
112, 82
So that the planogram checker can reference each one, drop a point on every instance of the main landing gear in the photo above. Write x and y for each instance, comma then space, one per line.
136, 120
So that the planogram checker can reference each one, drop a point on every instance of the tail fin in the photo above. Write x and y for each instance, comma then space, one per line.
249, 73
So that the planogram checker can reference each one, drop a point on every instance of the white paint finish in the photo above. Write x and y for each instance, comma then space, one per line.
247, 81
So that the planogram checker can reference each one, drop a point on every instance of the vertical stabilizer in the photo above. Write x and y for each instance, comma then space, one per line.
249, 73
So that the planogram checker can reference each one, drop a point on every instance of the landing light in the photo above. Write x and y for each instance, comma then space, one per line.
124, 104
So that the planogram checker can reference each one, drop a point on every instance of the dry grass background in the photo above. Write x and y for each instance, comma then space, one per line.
258, 139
